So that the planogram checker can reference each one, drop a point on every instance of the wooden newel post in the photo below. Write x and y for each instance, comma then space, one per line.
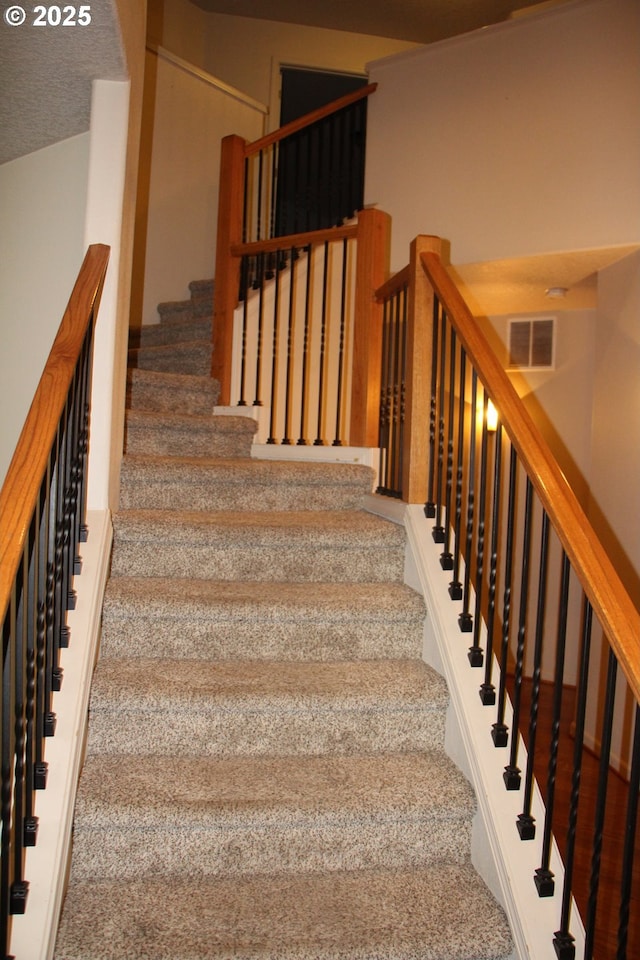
415, 455
372, 269
227, 275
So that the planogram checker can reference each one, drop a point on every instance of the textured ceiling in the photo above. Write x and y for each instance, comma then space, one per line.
46, 74
420, 21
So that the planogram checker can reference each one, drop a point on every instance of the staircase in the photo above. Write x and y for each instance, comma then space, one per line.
265, 773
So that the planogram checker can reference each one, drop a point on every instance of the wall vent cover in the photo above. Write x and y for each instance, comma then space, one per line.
532, 343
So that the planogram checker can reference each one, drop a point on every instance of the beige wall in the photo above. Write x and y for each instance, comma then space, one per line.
246, 53
191, 117
519, 139
42, 198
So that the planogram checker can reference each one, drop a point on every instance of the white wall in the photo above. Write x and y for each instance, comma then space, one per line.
42, 198
191, 117
518, 139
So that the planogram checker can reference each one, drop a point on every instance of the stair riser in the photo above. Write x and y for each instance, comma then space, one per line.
256, 563
140, 494
246, 730
226, 850
138, 636
196, 363
144, 439
172, 330
165, 400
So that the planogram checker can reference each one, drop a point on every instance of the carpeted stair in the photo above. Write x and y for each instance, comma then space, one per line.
265, 774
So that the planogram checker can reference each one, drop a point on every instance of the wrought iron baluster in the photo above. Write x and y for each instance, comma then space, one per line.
257, 400
396, 411
244, 297
430, 506
308, 304
544, 877
465, 620
563, 941
455, 587
512, 770
631, 823
475, 651
287, 440
438, 530
319, 442
341, 345
446, 557
385, 399
19, 887
274, 356
499, 730
487, 689
525, 821
601, 803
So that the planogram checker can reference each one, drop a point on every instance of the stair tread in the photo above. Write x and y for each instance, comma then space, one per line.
191, 422
181, 686
240, 470
280, 602
183, 792
324, 527
433, 913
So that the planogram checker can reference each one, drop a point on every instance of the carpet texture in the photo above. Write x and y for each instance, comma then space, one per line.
265, 774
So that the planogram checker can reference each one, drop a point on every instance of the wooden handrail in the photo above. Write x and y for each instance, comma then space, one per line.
394, 284
610, 601
309, 118
311, 238
21, 487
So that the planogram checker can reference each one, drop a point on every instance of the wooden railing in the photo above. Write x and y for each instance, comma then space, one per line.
512, 530
306, 177
42, 522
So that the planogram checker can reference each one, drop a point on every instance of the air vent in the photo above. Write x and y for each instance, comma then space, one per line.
532, 343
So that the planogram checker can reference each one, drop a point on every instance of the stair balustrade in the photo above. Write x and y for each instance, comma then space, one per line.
303, 178
42, 522
540, 604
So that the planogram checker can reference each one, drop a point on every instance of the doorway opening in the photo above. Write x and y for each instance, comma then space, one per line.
304, 89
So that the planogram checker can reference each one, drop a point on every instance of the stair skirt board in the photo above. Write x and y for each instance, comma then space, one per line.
265, 772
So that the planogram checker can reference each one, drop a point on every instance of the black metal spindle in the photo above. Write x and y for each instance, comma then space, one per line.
274, 357
499, 730
396, 405
544, 877
19, 887
563, 941
318, 442
287, 439
455, 587
525, 821
446, 557
601, 804
512, 770
487, 688
631, 823
430, 507
465, 620
337, 442
475, 653
244, 297
384, 427
257, 398
304, 397
438, 529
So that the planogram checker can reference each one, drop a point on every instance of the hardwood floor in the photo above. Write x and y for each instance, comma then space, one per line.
613, 840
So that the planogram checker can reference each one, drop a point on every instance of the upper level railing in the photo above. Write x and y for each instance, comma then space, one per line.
548, 622
42, 522
305, 177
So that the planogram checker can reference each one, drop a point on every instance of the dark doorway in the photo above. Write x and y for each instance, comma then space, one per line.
320, 169
304, 90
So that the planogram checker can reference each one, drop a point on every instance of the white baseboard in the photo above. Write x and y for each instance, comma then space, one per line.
33, 934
